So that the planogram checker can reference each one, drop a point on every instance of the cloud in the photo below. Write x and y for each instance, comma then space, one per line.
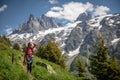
72, 10
69, 11
53, 1
56, 8
9, 30
101, 10
3, 7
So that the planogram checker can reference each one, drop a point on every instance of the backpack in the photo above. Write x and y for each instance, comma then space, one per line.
29, 59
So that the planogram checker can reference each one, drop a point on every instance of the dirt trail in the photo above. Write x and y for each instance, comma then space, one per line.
25, 69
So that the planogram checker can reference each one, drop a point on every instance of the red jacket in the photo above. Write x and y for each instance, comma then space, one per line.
29, 51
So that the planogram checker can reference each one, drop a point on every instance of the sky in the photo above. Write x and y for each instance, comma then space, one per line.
15, 12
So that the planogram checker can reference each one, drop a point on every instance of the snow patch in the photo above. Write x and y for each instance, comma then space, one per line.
116, 15
110, 24
118, 22
72, 53
63, 45
107, 18
115, 40
95, 22
111, 21
99, 27
12, 36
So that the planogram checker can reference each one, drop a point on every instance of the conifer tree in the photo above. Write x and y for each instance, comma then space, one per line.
80, 68
102, 66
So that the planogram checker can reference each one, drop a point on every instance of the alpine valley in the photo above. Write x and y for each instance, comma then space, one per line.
75, 39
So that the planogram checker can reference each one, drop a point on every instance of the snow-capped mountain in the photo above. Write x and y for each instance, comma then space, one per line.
108, 27
74, 38
48, 30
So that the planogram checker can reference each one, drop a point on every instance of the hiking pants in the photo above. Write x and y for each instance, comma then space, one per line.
29, 67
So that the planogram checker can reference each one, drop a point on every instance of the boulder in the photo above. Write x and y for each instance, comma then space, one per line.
46, 66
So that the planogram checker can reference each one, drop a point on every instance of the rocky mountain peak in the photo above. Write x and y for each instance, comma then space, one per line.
84, 16
31, 17
44, 17
34, 24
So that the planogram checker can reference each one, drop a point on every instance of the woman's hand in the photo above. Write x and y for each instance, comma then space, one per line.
32, 56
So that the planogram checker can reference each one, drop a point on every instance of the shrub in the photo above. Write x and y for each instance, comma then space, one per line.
16, 46
51, 52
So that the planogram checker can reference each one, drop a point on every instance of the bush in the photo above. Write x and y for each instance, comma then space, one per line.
5, 40
51, 52
16, 46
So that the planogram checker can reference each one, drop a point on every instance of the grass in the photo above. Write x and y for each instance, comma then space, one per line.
9, 71
42, 74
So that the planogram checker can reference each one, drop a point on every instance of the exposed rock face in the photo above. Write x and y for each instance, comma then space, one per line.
111, 27
74, 39
78, 34
48, 37
47, 22
84, 17
89, 43
33, 25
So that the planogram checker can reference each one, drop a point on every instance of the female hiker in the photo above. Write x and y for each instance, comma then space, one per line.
29, 56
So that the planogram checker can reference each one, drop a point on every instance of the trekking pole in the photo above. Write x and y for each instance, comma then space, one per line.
12, 58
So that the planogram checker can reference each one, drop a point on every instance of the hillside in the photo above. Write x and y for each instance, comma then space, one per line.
9, 71
16, 71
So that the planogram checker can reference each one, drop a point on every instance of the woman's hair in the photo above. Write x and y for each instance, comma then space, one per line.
29, 44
